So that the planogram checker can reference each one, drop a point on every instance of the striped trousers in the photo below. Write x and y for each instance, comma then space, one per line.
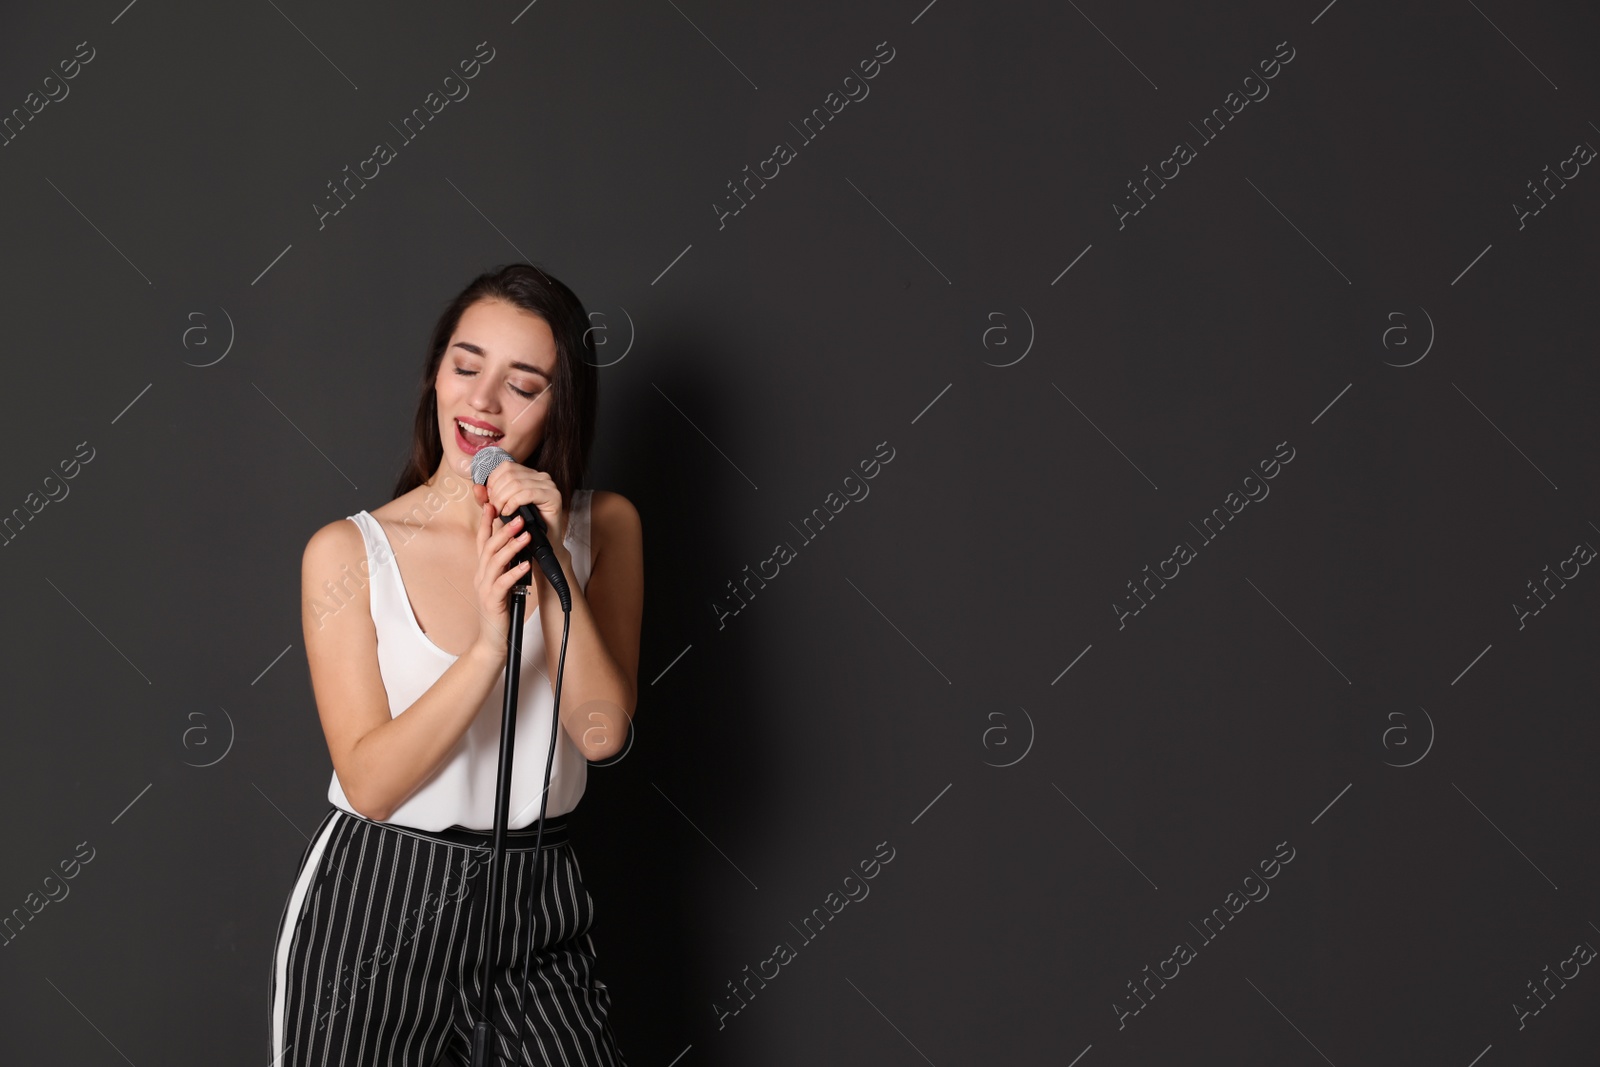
378, 955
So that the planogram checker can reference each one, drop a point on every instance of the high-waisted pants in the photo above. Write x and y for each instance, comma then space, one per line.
378, 955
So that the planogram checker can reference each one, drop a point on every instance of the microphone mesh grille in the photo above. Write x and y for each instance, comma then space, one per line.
486, 460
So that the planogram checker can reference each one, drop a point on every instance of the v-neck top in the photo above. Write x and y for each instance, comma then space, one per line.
461, 792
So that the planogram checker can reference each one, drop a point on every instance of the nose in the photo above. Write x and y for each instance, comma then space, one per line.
483, 393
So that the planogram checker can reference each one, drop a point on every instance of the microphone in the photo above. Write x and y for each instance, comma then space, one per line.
486, 460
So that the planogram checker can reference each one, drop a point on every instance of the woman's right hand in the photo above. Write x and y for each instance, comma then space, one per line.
497, 548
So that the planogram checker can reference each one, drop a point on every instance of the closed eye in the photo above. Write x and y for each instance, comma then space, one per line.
514, 389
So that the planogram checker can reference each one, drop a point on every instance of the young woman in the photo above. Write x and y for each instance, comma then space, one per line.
380, 946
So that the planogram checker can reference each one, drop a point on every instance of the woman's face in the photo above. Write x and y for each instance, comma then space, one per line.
493, 376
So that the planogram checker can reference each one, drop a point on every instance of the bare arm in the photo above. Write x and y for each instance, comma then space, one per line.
380, 760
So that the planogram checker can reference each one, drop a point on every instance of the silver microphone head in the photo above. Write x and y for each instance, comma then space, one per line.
485, 460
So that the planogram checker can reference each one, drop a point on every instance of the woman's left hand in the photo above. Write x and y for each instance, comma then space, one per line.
512, 485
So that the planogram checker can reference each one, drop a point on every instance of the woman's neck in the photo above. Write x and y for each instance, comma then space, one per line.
461, 508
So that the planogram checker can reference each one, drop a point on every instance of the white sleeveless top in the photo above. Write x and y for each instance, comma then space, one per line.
461, 792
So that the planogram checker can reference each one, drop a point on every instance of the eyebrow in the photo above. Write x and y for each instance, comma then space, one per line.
475, 350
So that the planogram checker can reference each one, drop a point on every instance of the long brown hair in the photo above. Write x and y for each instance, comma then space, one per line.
574, 392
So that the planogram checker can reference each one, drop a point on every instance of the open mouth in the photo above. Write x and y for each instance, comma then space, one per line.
471, 438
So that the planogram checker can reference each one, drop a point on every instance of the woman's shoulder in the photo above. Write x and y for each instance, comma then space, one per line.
613, 520
333, 543
345, 541
606, 507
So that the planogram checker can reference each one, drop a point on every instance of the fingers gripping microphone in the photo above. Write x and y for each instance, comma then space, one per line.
485, 461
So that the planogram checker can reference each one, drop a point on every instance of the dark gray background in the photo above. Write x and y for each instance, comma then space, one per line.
868, 692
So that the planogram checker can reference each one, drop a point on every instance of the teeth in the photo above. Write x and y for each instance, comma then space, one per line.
475, 431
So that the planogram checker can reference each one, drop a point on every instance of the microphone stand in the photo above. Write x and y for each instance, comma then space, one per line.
516, 605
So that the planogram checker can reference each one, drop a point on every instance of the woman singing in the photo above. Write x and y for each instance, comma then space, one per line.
380, 948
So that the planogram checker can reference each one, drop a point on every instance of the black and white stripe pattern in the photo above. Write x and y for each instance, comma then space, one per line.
378, 953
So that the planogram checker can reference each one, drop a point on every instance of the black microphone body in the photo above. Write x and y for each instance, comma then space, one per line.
484, 461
